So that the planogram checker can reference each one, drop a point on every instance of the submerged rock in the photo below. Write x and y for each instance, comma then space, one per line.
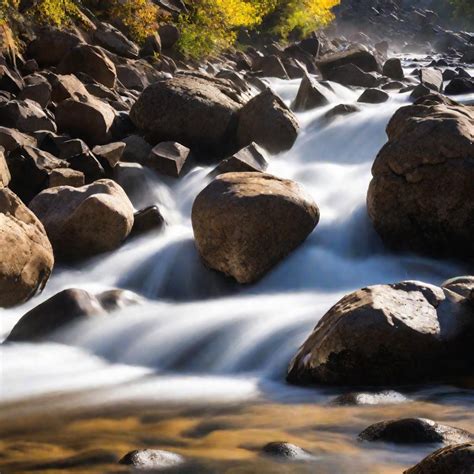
284, 450
407, 332
415, 430
26, 255
388, 397
245, 223
152, 459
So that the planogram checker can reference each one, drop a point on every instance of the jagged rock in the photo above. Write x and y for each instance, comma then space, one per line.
115, 41
71, 217
11, 139
250, 158
267, 121
460, 85
67, 87
414, 430
373, 96
147, 220
431, 78
150, 459
421, 195
89, 165
30, 169
168, 158
57, 312
419, 91
393, 69
25, 116
351, 75
389, 334
284, 450
89, 60
245, 223
66, 177
70, 148
271, 66
311, 94
26, 255
110, 153
10, 81
38, 89
457, 459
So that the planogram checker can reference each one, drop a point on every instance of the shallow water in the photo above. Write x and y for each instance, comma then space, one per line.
202, 350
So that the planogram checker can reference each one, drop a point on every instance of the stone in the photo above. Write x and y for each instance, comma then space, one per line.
150, 459
137, 149
59, 311
373, 96
246, 223
192, 110
388, 397
351, 75
11, 139
431, 78
70, 148
71, 217
168, 158
457, 459
115, 41
267, 121
386, 335
89, 60
90, 120
460, 85
341, 110
311, 94
169, 35
147, 220
393, 69
26, 255
38, 89
359, 56
67, 86
288, 451
421, 195
151, 45
110, 153
271, 66
420, 91
10, 81
25, 115
250, 158
414, 431
117, 299
30, 169
66, 177
89, 165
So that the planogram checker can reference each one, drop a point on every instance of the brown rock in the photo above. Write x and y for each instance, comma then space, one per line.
11, 139
25, 116
67, 87
115, 41
250, 158
147, 220
4, 171
110, 153
393, 69
66, 177
373, 96
168, 158
359, 56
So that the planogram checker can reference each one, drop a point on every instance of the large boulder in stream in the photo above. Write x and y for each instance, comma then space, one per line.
421, 197
245, 223
407, 332
82, 222
26, 255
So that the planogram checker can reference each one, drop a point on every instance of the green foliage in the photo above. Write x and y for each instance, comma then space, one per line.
464, 11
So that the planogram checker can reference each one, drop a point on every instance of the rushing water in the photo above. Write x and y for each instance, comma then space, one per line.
200, 339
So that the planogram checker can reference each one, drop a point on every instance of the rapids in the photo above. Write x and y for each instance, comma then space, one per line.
198, 338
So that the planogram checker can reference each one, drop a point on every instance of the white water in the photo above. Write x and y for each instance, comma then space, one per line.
200, 337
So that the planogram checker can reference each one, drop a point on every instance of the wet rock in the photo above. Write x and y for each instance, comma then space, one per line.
66, 177
5, 175
110, 153
421, 195
51, 45
168, 158
457, 459
147, 220
388, 397
267, 121
460, 85
449, 74
413, 431
30, 169
288, 451
250, 158
373, 96
351, 75
393, 69
192, 110
10, 81
341, 110
388, 334
245, 223
70, 216
150, 459
431, 78
116, 299
89, 119
393, 85
359, 56
57, 312
89, 60
115, 41
311, 94
25, 115
26, 255
419, 91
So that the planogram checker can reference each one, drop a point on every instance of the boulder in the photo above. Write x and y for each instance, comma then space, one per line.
456, 459
267, 121
5, 175
11, 139
10, 81
137, 149
38, 89
373, 96
151, 45
168, 158
421, 196
169, 35
192, 110
245, 223
110, 153
87, 164
250, 158
311, 94
460, 85
393, 69
25, 115
147, 220
26, 255
115, 41
431, 78
359, 56
51, 45
66, 177
57, 312
89, 119
389, 334
419, 91
89, 60
413, 431
67, 87
271, 66
151, 459
351, 75
341, 110
86, 221
286, 451
30, 169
